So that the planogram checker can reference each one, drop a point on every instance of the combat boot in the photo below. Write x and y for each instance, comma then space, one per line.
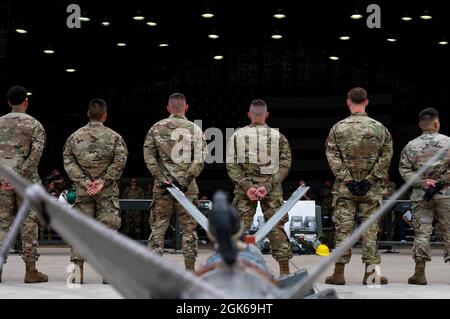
32, 275
79, 264
337, 278
419, 275
382, 280
284, 268
189, 264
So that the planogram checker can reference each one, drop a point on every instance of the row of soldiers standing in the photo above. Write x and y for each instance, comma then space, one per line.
359, 151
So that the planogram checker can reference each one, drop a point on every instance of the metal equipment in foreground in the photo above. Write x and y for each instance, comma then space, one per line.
236, 270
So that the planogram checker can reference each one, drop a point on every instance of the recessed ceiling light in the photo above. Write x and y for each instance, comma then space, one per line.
218, 57
279, 16
162, 45
138, 18
84, 19
29, 93
276, 36
106, 23
344, 37
426, 15
443, 42
213, 36
334, 58
391, 39
207, 15
49, 51
356, 15
406, 18
121, 44
21, 31
70, 70
152, 23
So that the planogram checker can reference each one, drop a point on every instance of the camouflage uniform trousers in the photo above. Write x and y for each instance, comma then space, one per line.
9, 205
346, 206
163, 207
424, 213
281, 248
104, 207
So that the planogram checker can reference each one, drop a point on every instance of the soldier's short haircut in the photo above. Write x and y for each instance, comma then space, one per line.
357, 95
177, 101
16, 95
97, 108
428, 114
177, 96
258, 107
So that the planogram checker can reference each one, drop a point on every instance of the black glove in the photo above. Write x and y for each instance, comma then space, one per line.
430, 192
182, 188
364, 187
353, 187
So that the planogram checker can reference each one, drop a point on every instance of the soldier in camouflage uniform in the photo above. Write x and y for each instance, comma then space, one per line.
132, 219
174, 151
431, 194
258, 167
22, 140
359, 152
94, 159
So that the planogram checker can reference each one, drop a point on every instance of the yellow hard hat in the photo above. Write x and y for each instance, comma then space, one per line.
323, 250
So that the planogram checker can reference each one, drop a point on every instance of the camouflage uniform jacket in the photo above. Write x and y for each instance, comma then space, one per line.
416, 154
358, 148
95, 152
22, 140
258, 155
175, 148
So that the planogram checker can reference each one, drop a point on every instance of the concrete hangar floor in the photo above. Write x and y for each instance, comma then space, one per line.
397, 267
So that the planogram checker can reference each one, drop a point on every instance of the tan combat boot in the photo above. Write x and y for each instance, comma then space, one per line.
32, 275
382, 280
337, 278
189, 264
419, 276
79, 264
284, 268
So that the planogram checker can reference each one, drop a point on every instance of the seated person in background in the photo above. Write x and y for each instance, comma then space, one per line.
404, 223
131, 219
57, 181
148, 194
309, 194
326, 198
148, 191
